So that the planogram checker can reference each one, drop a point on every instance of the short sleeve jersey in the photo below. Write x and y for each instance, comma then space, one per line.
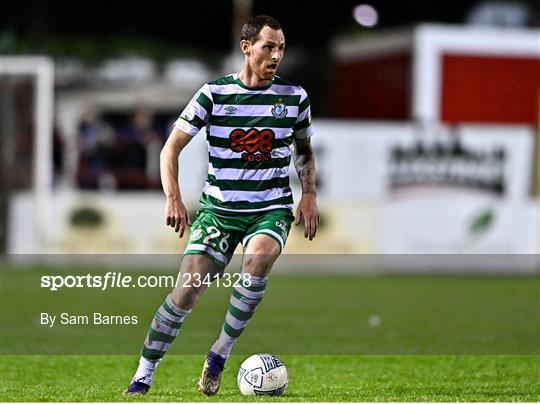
249, 133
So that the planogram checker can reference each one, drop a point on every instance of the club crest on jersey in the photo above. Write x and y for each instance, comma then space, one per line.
196, 235
279, 111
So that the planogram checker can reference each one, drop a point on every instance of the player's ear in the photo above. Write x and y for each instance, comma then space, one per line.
245, 46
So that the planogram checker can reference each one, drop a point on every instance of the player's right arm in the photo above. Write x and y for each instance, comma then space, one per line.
176, 214
192, 119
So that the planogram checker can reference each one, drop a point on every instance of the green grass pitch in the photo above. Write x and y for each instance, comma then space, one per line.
312, 378
435, 339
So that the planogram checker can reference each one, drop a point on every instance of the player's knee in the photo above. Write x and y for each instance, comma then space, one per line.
260, 256
264, 246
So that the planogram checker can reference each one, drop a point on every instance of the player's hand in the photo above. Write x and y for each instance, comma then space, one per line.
176, 215
307, 209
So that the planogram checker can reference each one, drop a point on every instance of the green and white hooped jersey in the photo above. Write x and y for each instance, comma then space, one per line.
249, 134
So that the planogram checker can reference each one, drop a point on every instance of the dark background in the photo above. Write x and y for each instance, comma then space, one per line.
92, 31
208, 24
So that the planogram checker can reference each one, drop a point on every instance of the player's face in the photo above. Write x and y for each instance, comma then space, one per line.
266, 53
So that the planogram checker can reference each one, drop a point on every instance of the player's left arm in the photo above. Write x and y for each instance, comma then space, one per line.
304, 162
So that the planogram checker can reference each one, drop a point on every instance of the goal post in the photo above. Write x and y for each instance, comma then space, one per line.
41, 71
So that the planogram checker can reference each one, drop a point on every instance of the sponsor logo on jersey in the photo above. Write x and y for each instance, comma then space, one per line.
255, 145
279, 111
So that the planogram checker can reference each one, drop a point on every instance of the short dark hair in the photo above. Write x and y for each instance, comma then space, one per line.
252, 28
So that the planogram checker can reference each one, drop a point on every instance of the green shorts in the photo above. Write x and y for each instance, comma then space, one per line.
217, 234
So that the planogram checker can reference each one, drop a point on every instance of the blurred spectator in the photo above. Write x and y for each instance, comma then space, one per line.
122, 159
96, 143
136, 160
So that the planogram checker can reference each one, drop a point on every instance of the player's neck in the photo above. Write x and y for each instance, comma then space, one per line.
250, 79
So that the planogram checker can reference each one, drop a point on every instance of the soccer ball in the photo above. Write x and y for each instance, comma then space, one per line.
262, 374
